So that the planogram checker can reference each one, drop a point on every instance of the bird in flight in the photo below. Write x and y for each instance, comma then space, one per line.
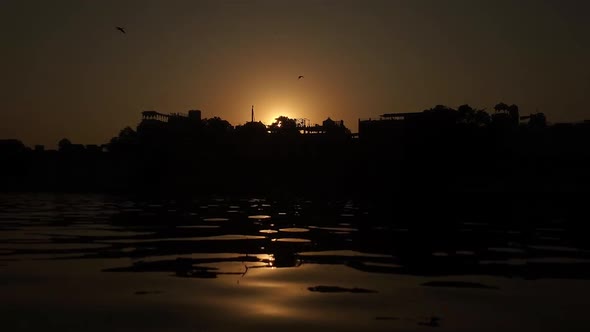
121, 29
300, 77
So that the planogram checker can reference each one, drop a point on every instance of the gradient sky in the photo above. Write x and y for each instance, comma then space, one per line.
66, 71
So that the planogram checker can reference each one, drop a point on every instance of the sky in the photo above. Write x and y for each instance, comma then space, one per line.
67, 72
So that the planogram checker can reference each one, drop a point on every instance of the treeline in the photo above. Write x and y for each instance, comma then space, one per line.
439, 150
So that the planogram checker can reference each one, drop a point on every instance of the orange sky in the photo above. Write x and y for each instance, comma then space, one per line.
71, 74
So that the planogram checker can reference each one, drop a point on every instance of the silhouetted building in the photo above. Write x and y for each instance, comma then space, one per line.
155, 127
328, 127
194, 116
392, 126
330, 124
388, 128
536, 120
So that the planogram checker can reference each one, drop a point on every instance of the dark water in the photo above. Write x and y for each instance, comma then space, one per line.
107, 263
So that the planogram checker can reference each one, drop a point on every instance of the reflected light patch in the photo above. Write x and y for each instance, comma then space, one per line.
272, 309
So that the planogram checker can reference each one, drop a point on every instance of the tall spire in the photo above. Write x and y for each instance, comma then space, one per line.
252, 113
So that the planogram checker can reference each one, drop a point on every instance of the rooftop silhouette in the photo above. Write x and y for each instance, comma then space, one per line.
439, 149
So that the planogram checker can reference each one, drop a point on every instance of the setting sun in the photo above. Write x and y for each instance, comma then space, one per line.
237, 165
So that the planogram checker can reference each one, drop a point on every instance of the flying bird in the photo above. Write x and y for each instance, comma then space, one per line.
121, 29
300, 77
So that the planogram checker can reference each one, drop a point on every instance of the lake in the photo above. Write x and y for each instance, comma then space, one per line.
83, 262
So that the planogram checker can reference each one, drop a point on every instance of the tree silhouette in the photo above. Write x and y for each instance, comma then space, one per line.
251, 129
440, 108
474, 117
482, 118
64, 144
505, 117
284, 125
217, 126
514, 113
128, 135
501, 107
124, 141
466, 114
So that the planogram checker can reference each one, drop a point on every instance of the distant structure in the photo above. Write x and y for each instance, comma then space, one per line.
193, 115
155, 125
328, 126
536, 120
392, 126
251, 129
